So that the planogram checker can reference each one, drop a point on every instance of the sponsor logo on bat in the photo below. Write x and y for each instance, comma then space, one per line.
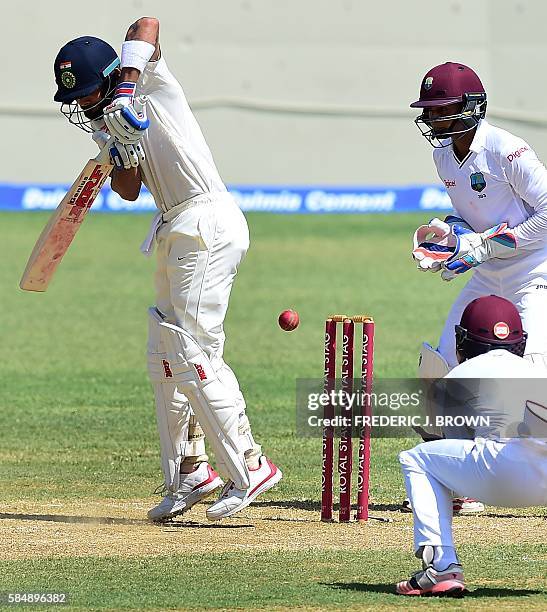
200, 371
167, 368
86, 192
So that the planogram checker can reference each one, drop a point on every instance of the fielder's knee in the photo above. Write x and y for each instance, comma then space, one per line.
411, 458
405, 458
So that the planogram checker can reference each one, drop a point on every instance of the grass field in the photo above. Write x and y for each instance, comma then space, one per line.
79, 454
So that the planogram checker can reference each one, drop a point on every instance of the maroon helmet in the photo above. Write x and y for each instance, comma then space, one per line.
488, 323
450, 83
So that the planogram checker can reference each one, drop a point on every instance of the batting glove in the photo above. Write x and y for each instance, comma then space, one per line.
123, 156
126, 117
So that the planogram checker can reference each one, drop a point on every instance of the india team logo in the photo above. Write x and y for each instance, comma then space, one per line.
501, 330
478, 182
68, 79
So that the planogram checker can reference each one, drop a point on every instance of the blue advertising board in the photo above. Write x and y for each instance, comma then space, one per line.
277, 199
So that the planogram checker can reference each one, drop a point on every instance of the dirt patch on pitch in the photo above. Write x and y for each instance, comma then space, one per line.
119, 528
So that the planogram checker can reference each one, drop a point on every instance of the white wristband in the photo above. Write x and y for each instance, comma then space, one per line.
136, 54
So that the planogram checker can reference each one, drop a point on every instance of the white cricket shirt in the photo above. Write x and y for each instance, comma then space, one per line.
178, 164
501, 386
501, 179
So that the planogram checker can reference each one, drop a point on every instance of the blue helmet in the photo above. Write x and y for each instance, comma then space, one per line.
81, 67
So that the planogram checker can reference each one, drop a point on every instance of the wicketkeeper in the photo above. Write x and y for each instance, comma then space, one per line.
498, 235
498, 188
138, 109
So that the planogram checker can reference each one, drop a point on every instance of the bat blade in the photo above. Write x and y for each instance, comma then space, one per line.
63, 225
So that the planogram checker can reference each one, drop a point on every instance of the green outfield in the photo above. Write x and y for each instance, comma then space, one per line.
79, 454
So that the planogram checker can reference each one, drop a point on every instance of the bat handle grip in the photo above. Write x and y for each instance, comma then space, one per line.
104, 154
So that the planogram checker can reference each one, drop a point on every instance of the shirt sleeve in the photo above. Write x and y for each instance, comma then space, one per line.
528, 178
157, 79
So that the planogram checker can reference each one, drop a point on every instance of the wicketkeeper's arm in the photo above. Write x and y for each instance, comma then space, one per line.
528, 177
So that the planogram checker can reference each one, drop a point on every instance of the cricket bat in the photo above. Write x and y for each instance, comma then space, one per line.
65, 222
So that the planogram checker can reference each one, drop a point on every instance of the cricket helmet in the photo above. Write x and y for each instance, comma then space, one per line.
82, 66
450, 83
488, 323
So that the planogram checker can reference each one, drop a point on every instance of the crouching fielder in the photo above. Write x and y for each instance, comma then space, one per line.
139, 110
498, 470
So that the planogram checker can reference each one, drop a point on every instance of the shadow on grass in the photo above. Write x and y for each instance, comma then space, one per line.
193, 525
60, 518
107, 520
390, 589
315, 505
512, 516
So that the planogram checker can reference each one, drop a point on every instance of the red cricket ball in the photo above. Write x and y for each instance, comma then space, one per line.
289, 320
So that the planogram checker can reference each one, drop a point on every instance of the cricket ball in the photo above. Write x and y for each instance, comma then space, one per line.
289, 320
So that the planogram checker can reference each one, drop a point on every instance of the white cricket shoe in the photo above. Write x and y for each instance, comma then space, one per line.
460, 505
467, 505
193, 487
233, 500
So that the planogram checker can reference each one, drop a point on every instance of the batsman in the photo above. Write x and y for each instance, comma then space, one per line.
136, 108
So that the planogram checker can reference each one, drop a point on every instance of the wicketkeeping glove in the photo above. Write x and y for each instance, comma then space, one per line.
434, 243
431, 246
473, 249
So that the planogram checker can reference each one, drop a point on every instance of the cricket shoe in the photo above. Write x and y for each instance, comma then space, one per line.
432, 582
232, 499
460, 505
467, 505
193, 487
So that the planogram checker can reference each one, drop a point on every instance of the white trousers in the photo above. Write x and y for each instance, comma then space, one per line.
198, 254
507, 474
199, 250
526, 289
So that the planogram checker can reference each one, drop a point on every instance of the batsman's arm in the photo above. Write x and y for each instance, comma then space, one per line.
127, 183
145, 29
